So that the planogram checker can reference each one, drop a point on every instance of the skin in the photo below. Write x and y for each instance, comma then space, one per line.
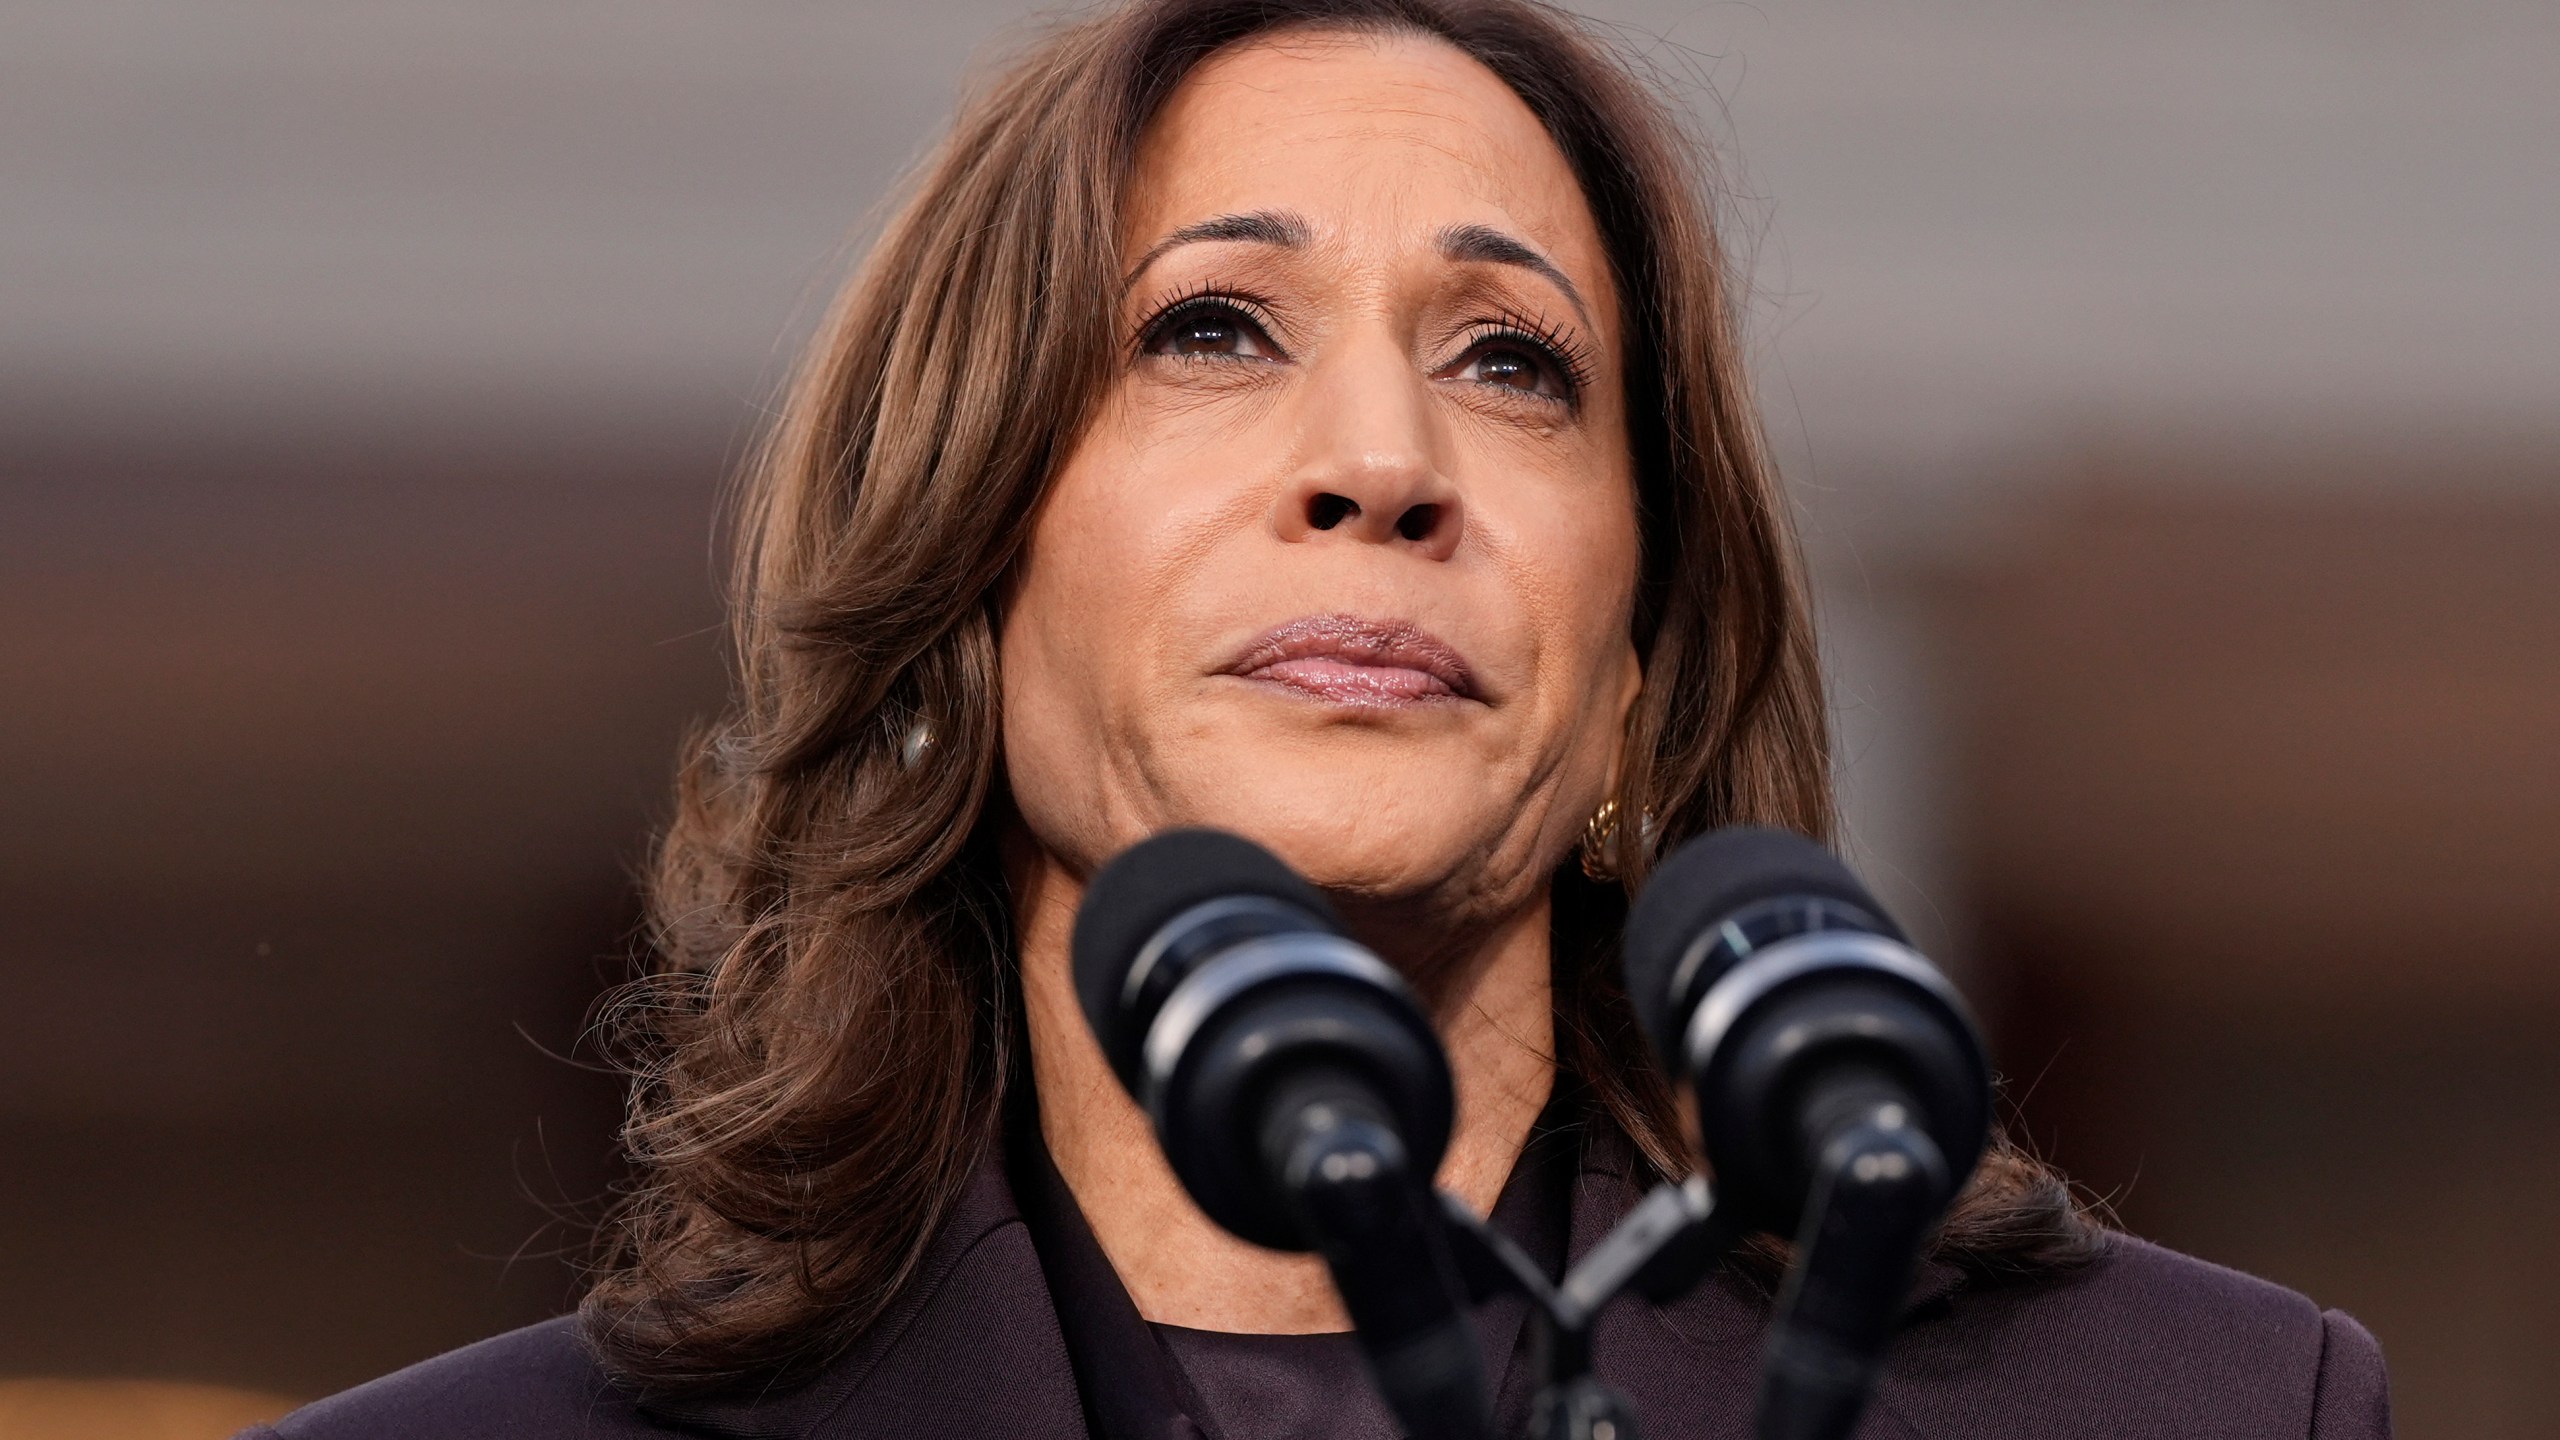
1370, 428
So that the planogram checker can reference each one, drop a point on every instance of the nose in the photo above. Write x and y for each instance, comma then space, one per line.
1369, 470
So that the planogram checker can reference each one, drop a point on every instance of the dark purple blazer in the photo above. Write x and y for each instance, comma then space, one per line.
2143, 1343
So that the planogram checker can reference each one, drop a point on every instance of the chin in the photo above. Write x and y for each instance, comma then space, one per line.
1420, 866
1408, 836
1392, 806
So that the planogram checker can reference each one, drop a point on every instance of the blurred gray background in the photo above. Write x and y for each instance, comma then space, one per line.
2168, 390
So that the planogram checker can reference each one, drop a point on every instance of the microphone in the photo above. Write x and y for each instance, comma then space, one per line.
1843, 1095
1296, 1087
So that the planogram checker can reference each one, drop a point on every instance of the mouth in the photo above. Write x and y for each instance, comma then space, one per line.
1349, 660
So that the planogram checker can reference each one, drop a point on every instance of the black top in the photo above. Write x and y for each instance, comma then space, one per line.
1152, 1380
1275, 1387
2142, 1344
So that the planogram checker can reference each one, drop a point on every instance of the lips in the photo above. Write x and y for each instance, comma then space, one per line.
1349, 660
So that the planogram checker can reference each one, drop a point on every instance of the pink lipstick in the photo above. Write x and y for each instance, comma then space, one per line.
1348, 660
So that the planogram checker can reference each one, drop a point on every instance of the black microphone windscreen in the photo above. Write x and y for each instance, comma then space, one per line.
1155, 880
1703, 882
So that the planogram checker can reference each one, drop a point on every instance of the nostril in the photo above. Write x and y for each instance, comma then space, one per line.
1326, 511
1418, 522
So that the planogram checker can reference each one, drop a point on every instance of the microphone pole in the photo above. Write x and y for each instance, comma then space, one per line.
1297, 1089
1843, 1094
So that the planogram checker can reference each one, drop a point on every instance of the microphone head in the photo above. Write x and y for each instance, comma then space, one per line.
1142, 889
1703, 883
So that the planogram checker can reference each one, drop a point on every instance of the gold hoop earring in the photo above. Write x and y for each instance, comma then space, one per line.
1599, 833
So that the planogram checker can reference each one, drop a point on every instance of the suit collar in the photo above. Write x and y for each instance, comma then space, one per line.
977, 1267
984, 1284
1128, 1387
1132, 1390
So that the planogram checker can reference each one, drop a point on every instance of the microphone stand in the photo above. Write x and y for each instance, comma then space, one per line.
1879, 1188
1670, 1240
1350, 1182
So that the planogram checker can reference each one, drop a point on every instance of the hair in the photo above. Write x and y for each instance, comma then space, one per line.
820, 1055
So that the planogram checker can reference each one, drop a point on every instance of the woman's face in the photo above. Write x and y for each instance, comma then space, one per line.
1344, 561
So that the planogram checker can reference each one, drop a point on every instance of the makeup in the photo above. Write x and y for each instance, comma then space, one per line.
1357, 661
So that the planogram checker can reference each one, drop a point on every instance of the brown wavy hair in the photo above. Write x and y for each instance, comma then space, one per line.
819, 1058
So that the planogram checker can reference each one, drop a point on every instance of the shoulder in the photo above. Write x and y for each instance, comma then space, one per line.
971, 1347
536, 1383
2145, 1341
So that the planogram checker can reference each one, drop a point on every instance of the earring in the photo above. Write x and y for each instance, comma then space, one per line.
1598, 834
919, 740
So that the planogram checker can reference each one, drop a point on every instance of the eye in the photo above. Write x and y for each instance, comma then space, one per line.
1529, 359
1209, 326
1514, 367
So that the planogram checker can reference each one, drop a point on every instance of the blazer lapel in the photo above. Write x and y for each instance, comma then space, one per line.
971, 1348
974, 1346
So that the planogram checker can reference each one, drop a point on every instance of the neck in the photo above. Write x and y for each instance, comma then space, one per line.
1494, 1013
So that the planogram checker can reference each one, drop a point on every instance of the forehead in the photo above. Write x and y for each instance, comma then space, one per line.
1370, 137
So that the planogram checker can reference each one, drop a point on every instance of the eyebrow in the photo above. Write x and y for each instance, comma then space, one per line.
1491, 246
1261, 227
1463, 243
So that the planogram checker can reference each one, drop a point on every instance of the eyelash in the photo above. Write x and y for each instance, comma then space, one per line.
1197, 299
1570, 357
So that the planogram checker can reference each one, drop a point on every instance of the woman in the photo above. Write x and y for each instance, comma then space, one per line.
1324, 419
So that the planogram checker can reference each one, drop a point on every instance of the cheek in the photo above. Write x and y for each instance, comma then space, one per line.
1575, 563
1048, 663
1087, 617
1575, 570
1602, 626
1143, 504
1603, 544
1081, 571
